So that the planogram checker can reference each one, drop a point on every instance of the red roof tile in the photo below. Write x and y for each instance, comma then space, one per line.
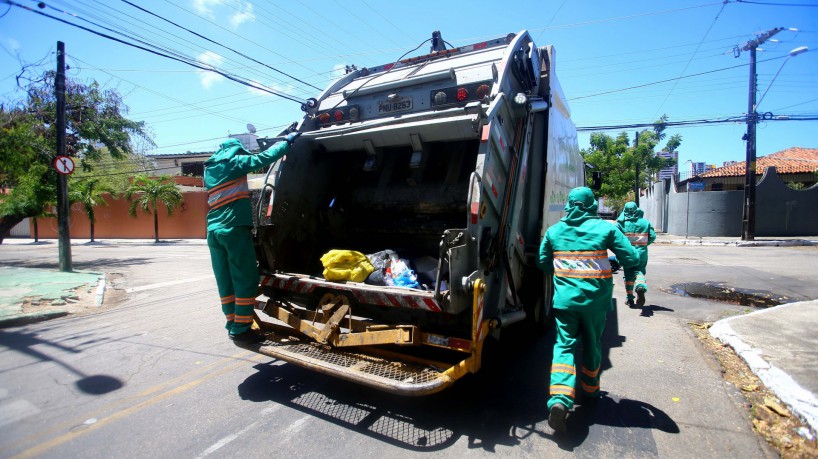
795, 160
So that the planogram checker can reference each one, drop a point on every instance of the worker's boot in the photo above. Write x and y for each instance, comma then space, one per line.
556, 418
640, 295
250, 336
630, 302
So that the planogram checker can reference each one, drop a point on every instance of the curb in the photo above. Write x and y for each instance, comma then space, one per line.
801, 401
777, 243
30, 318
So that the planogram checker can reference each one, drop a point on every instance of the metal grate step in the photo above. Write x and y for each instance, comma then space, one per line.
392, 376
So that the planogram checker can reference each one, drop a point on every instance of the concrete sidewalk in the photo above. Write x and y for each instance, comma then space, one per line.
779, 344
663, 238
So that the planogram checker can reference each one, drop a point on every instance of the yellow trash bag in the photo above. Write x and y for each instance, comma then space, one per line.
346, 265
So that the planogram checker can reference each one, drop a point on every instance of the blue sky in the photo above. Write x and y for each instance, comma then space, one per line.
603, 48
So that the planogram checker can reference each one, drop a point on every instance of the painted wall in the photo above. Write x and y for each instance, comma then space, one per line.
113, 221
780, 210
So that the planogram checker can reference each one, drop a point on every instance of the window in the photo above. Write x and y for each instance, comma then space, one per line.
195, 169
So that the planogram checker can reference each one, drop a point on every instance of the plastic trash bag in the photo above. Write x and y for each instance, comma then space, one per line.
346, 265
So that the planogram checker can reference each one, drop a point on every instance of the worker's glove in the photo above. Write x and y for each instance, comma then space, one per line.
290, 138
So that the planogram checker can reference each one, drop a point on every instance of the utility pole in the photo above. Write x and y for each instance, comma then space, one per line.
749, 216
636, 183
63, 204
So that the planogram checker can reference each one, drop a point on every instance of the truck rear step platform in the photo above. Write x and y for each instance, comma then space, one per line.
389, 375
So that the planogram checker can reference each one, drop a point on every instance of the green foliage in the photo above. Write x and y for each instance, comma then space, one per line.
90, 193
95, 123
145, 193
618, 160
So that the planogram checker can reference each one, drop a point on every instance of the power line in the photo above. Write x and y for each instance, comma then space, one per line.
219, 44
192, 64
691, 57
776, 4
670, 79
735, 120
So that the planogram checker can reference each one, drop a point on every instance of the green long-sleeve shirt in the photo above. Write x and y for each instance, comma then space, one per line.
225, 178
575, 251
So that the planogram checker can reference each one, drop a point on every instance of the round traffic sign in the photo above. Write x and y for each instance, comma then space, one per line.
64, 165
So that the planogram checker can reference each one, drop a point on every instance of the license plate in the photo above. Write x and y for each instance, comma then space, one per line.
400, 104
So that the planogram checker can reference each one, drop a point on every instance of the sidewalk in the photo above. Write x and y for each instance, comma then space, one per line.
664, 238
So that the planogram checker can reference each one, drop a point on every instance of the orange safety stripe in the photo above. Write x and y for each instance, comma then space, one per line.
559, 389
228, 299
584, 264
244, 319
228, 192
563, 368
589, 373
230, 317
582, 254
590, 389
224, 185
638, 238
245, 301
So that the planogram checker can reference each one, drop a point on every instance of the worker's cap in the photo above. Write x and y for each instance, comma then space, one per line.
581, 197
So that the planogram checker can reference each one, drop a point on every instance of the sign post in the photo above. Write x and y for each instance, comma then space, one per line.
63, 164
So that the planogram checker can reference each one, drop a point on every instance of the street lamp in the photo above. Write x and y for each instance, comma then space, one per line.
793, 53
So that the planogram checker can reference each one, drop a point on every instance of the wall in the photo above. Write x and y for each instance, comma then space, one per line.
780, 210
113, 221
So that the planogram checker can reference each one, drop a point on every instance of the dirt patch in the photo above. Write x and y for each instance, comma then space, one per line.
770, 417
80, 301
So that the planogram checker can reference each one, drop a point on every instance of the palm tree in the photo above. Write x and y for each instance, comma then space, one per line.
90, 194
148, 193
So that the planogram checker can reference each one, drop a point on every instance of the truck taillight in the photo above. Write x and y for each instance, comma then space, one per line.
459, 95
338, 115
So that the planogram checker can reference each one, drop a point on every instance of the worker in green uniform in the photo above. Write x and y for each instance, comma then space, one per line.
640, 233
229, 225
575, 251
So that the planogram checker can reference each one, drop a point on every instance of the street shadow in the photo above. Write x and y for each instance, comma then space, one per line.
503, 406
614, 427
27, 342
649, 309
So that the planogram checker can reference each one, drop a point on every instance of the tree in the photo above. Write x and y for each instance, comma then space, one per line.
617, 160
90, 193
95, 122
150, 192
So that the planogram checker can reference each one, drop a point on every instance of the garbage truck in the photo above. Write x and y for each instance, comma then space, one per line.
452, 164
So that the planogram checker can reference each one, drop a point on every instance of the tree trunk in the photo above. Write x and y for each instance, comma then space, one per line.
155, 225
7, 223
36, 232
92, 231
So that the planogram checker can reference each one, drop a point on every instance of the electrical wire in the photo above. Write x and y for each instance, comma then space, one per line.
735, 120
691, 57
192, 64
671, 79
219, 44
775, 4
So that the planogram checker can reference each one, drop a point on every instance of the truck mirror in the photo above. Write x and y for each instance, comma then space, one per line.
596, 180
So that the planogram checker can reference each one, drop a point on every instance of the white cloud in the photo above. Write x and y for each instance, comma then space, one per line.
208, 78
244, 14
205, 7
12, 44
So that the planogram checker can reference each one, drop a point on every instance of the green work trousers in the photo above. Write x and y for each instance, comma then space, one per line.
234, 264
571, 326
635, 277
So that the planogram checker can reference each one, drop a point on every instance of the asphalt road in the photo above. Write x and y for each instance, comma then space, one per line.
155, 376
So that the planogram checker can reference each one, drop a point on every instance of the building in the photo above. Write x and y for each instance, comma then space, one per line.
668, 172
698, 168
798, 167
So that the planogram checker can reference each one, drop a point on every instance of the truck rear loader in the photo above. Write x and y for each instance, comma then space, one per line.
458, 160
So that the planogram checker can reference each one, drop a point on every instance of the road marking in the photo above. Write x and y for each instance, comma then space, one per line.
296, 426
224, 441
166, 284
41, 448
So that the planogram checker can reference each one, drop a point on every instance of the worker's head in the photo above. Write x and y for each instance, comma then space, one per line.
631, 209
581, 198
